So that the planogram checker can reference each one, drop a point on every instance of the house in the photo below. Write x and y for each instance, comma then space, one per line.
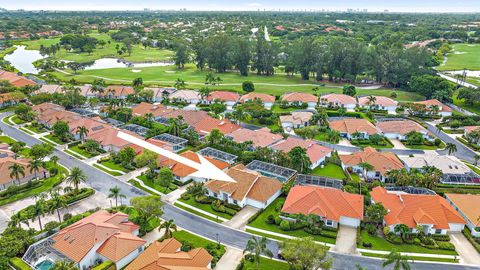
11, 98
446, 163
334, 206
205, 126
467, 206
338, 101
434, 106
250, 188
316, 153
469, 129
296, 119
156, 110
349, 126
183, 172
380, 103
267, 100
50, 116
398, 129
159, 94
227, 97
92, 125
167, 255
49, 89
187, 96
259, 138
108, 138
432, 212
100, 237
86, 91
7, 160
300, 98
15, 79
117, 91
382, 162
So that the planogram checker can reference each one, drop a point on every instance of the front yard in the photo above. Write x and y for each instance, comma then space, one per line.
330, 170
190, 241
55, 139
152, 184
265, 264
6, 139
424, 146
113, 166
207, 206
384, 143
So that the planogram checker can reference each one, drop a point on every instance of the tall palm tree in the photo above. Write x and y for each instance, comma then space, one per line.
476, 158
371, 100
399, 261
64, 265
115, 192
451, 148
82, 131
35, 165
180, 84
366, 168
257, 246
57, 202
169, 226
54, 160
175, 127
17, 219
16, 170
76, 177
38, 210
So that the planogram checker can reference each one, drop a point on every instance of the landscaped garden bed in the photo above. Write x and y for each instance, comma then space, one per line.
88, 149
211, 205
475, 241
55, 139
107, 162
152, 183
380, 143
35, 127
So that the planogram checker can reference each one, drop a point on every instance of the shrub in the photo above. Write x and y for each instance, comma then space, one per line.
185, 196
329, 234
104, 266
19, 264
233, 206
314, 230
441, 237
50, 227
67, 216
393, 238
437, 142
416, 241
278, 220
367, 245
285, 225
186, 246
386, 230
230, 211
270, 219
445, 245
371, 229
428, 241
393, 95
204, 199
278, 206
252, 218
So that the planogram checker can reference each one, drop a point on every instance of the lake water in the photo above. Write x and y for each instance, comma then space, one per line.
105, 63
23, 59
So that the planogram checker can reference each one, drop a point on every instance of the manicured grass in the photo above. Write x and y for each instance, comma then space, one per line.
46, 141
107, 171
426, 147
461, 103
112, 165
152, 184
197, 241
14, 118
205, 207
197, 213
379, 243
266, 264
276, 109
6, 139
37, 130
54, 138
260, 223
463, 56
27, 131
6, 120
474, 168
74, 154
387, 145
19, 264
80, 151
414, 258
453, 131
330, 170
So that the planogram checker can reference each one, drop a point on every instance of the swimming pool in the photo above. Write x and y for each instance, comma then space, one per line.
45, 265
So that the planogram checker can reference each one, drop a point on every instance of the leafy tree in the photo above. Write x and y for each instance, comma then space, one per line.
242, 55
61, 130
305, 254
125, 157
76, 177
181, 56
366, 167
40, 151
258, 246
180, 84
350, 90
398, 261
376, 212
165, 177
147, 208
302, 161
75, 66
218, 107
168, 226
248, 86
64, 265
24, 112
196, 189
145, 158
35, 165
137, 82
115, 192
402, 229
429, 85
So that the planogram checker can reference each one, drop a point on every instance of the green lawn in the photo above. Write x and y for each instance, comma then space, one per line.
80, 151
14, 118
37, 130
330, 170
380, 243
46, 141
107, 171
461, 103
112, 165
27, 131
426, 147
54, 139
205, 207
74, 154
387, 145
266, 264
463, 56
6, 139
260, 223
414, 258
152, 184
197, 213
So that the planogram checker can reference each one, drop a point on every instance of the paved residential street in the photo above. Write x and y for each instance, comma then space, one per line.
102, 182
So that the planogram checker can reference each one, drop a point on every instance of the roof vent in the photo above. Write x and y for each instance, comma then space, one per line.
71, 241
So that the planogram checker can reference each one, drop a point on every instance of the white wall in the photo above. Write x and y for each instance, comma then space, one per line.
456, 227
127, 259
348, 221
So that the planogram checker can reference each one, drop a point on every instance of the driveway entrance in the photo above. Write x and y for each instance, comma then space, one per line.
241, 218
346, 240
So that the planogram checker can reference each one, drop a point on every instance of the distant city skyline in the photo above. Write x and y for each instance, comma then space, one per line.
252, 5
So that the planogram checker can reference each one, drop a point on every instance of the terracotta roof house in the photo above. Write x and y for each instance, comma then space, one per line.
144, 108
49, 117
467, 206
108, 138
44, 107
190, 118
166, 255
207, 124
380, 103
432, 212
229, 98
15, 80
86, 90
117, 91
188, 96
316, 153
332, 205
297, 119
443, 109
160, 93
299, 97
349, 126
102, 236
398, 129
7, 160
338, 100
10, 98
382, 162
250, 188
92, 126
260, 137
468, 129
182, 172
267, 100
50, 89
446, 163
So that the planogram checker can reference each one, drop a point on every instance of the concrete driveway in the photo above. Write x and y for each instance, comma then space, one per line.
397, 144
241, 218
346, 241
230, 259
468, 254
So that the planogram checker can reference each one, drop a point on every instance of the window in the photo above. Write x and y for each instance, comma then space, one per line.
235, 201
329, 222
438, 231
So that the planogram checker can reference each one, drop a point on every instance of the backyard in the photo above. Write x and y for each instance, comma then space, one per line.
331, 170
193, 241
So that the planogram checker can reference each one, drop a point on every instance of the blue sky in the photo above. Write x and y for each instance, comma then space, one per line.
332, 5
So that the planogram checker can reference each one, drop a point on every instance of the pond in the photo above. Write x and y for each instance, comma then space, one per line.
23, 59
104, 63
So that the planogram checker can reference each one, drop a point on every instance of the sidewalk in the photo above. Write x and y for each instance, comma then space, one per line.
133, 174
230, 259
175, 195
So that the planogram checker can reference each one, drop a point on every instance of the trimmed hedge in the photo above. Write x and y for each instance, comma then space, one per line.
470, 238
108, 265
19, 264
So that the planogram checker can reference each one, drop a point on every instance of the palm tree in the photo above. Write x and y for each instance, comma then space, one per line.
17, 219
204, 92
82, 131
257, 246
56, 203
175, 127
17, 170
451, 148
54, 160
169, 226
197, 188
38, 210
115, 193
180, 84
476, 158
76, 177
333, 136
35, 165
64, 265
371, 100
366, 168
399, 261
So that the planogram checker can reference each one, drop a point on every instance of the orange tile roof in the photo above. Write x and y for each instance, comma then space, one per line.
12, 96
223, 96
431, 102
249, 184
315, 151
381, 161
118, 90
468, 205
182, 170
8, 161
50, 89
338, 99
329, 203
191, 118
299, 97
379, 100
78, 239
296, 118
352, 125
402, 127
206, 125
469, 129
415, 209
155, 109
166, 255
260, 137
263, 97
14, 79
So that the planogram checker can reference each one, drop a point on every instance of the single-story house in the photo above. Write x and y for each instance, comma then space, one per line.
334, 206
159, 93
117, 91
380, 103
398, 129
260, 137
446, 163
188, 96
435, 104
382, 162
468, 129
296, 119
15, 79
49, 89
250, 188
467, 206
338, 100
267, 100
299, 98
227, 97
208, 123
316, 153
432, 212
349, 126
145, 108
167, 255
7, 160
11, 98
